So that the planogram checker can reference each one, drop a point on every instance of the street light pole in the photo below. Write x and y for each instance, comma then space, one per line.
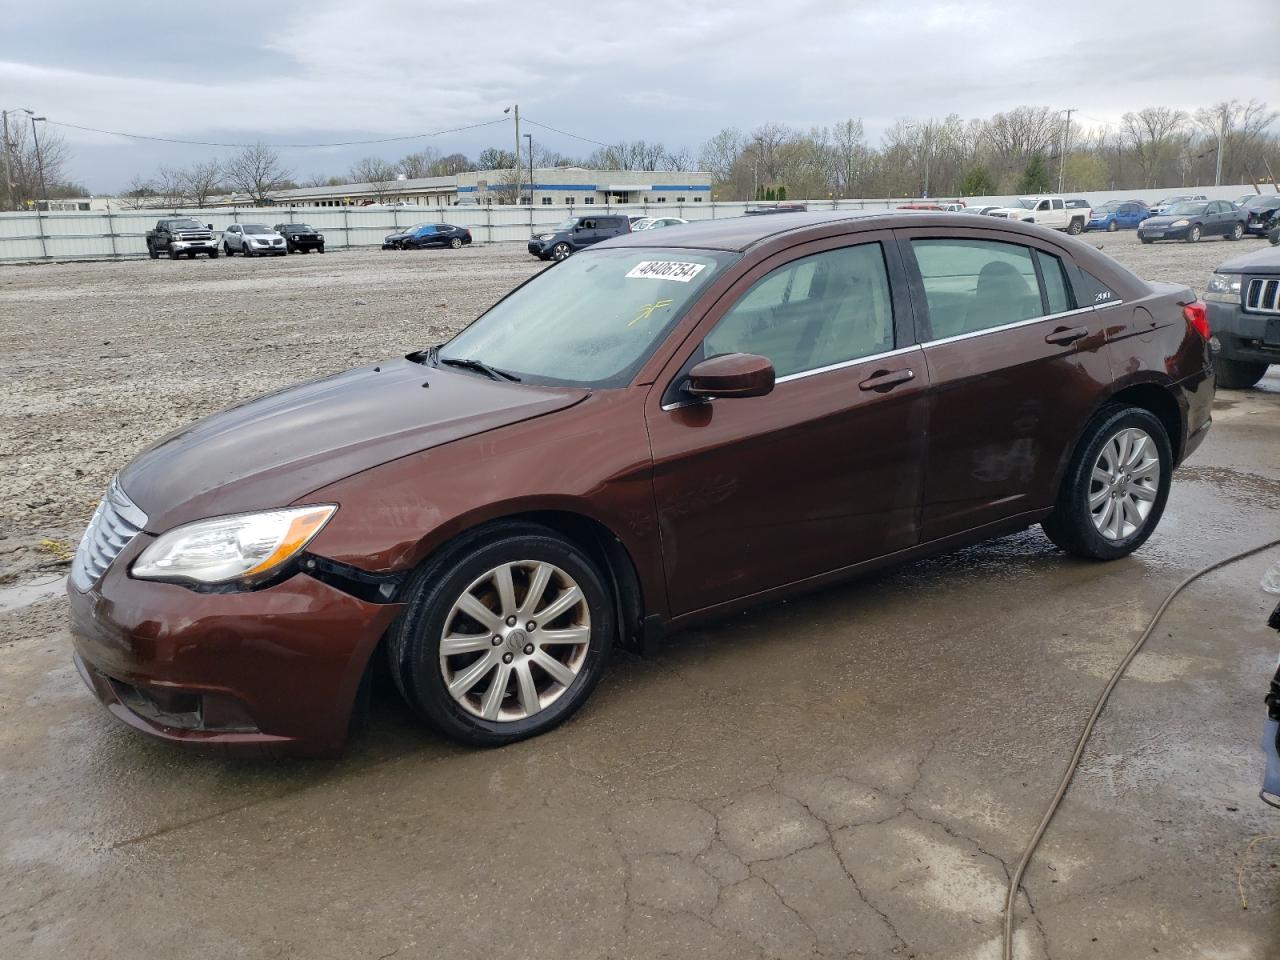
529, 137
516, 164
44, 191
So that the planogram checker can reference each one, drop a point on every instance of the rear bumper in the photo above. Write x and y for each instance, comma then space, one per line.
267, 671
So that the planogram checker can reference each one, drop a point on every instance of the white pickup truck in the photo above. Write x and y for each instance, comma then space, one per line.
1046, 211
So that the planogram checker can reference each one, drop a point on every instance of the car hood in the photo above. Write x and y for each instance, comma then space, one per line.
270, 235
1266, 260
276, 449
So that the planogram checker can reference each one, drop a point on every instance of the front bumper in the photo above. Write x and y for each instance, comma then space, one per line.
1164, 233
1253, 337
303, 243
538, 249
1258, 228
199, 246
272, 671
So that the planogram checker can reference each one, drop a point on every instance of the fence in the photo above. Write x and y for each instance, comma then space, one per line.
39, 236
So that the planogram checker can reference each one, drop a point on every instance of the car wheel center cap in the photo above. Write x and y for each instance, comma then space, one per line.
516, 640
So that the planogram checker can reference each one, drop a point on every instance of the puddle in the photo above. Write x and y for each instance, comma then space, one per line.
18, 595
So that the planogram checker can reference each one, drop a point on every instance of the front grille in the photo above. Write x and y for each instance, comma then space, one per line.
116, 521
1263, 295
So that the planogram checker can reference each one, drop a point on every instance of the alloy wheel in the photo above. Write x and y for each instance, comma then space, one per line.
515, 640
1124, 484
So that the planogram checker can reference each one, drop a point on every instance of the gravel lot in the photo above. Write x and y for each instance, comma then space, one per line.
100, 359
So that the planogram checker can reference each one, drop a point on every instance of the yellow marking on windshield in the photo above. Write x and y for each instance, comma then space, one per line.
647, 311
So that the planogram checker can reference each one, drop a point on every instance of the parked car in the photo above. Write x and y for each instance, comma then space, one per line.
641, 438
985, 209
1195, 219
300, 237
435, 235
921, 206
1243, 295
179, 236
782, 206
1263, 211
657, 223
393, 241
1045, 211
578, 233
1117, 215
1160, 208
253, 240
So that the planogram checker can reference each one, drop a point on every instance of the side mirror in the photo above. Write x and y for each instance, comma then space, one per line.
731, 375
208, 226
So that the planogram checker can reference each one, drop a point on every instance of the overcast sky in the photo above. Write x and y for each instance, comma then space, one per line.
322, 71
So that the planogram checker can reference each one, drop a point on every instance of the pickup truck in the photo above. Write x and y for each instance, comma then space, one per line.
178, 235
1046, 211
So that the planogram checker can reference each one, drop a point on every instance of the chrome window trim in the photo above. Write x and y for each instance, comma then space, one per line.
1013, 326
814, 371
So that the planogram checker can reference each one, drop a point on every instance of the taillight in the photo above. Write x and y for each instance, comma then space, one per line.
1197, 315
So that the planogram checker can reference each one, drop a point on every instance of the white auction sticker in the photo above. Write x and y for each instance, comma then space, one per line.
666, 270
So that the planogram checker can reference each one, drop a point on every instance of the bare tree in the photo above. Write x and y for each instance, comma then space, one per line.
200, 181
679, 161
719, 154
26, 163
256, 171
1153, 135
139, 193
418, 165
380, 175
450, 165
168, 183
848, 157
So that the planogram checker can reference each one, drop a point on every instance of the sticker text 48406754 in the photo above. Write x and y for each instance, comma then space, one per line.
677, 270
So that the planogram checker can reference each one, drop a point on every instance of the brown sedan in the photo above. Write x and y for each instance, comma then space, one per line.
661, 429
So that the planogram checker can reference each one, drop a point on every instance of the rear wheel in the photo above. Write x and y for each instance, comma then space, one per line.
1237, 231
504, 636
456, 242
1238, 374
1115, 487
213, 254
1076, 227
1193, 234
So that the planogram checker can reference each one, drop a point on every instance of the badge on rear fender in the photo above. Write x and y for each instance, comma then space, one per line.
677, 270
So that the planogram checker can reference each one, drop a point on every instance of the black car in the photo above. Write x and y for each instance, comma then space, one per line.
1263, 211
1243, 296
576, 234
1193, 219
422, 235
300, 237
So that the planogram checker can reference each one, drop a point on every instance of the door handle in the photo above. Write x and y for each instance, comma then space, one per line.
1065, 335
884, 380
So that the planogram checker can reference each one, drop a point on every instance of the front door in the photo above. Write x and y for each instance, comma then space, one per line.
823, 472
1016, 369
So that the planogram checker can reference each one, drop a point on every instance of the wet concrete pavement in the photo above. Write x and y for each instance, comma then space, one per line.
847, 774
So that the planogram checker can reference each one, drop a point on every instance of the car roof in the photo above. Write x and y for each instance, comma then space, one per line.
739, 233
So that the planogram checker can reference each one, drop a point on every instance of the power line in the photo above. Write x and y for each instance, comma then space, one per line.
282, 146
565, 133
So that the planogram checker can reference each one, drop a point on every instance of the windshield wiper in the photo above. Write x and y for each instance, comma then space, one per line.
493, 373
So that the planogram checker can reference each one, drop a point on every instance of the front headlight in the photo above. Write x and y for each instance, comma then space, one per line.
546, 236
231, 548
1224, 287
319, 236
1179, 223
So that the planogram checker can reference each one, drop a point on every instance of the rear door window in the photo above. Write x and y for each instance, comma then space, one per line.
974, 285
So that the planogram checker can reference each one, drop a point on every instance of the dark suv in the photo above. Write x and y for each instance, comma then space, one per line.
300, 237
1244, 315
577, 233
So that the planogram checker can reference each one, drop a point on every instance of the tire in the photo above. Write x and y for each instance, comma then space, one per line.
1075, 227
320, 249
414, 640
1237, 231
1076, 525
226, 248
1193, 233
153, 252
1146, 240
1112, 227
1238, 374
456, 243
213, 254
560, 251
173, 254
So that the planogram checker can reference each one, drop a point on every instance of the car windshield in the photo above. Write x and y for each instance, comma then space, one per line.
1258, 200
1023, 204
256, 228
1185, 209
591, 320
566, 225
186, 225
300, 228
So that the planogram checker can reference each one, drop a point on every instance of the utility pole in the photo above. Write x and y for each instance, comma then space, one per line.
8, 173
1062, 154
529, 137
516, 163
44, 191
1222, 133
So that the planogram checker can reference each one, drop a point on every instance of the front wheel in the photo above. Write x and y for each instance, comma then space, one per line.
1237, 231
1112, 227
1115, 487
153, 252
1193, 235
213, 254
560, 251
226, 248
320, 249
1146, 240
173, 254
1238, 374
505, 635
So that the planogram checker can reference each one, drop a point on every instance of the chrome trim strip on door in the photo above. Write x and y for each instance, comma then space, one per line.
1013, 326
846, 363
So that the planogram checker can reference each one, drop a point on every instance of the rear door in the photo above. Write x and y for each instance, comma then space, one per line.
1016, 367
823, 472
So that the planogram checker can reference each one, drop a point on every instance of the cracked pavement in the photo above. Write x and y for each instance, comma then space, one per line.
848, 774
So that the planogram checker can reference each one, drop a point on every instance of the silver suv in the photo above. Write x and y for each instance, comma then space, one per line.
252, 240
